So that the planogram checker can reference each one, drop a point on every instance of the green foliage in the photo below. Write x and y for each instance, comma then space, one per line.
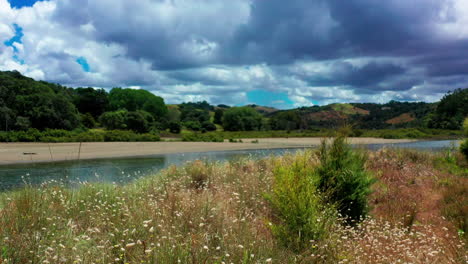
90, 100
173, 114
196, 113
218, 116
45, 105
174, 127
344, 179
133, 100
88, 120
197, 137
297, 205
193, 125
22, 123
88, 137
465, 126
57, 135
464, 148
451, 110
208, 126
242, 119
114, 120
287, 120
139, 121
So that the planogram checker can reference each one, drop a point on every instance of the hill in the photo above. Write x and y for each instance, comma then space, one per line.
26, 103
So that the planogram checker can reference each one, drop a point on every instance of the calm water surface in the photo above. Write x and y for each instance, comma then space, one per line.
122, 170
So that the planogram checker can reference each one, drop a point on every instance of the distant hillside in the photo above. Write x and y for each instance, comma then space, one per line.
265, 110
29, 104
364, 115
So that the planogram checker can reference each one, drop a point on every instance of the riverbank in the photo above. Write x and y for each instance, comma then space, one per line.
12, 153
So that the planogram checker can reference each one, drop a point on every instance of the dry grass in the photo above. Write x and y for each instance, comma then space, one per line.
217, 213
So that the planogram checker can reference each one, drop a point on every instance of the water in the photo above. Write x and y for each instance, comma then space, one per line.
122, 170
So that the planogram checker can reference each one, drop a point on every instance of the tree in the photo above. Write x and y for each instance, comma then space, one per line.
90, 100
218, 117
139, 121
451, 110
174, 127
242, 119
7, 116
133, 100
288, 120
88, 120
114, 120
22, 123
208, 126
46, 105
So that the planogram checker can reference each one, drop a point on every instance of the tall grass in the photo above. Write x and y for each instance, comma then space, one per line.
300, 211
217, 213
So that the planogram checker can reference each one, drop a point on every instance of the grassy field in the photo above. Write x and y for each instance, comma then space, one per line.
403, 133
275, 210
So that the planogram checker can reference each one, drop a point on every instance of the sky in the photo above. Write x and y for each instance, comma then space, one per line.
277, 53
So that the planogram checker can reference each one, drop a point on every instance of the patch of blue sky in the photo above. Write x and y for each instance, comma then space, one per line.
16, 38
268, 98
83, 63
22, 3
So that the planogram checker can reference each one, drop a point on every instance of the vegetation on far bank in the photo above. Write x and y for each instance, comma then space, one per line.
336, 205
27, 105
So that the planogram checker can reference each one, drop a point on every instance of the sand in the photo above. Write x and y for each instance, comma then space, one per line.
11, 153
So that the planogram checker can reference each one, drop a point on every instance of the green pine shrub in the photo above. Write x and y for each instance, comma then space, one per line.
300, 214
343, 178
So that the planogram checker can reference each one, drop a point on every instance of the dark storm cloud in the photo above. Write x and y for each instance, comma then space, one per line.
278, 32
366, 76
359, 48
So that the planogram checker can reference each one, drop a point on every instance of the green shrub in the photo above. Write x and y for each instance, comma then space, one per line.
89, 137
174, 127
147, 137
464, 148
344, 179
119, 135
193, 125
301, 214
196, 137
208, 126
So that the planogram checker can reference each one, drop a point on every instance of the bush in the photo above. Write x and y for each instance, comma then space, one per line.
148, 137
344, 179
242, 119
193, 125
89, 137
464, 148
114, 120
301, 213
88, 120
195, 137
119, 135
139, 121
208, 126
174, 127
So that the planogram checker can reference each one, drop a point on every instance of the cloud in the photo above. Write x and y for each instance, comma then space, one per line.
312, 52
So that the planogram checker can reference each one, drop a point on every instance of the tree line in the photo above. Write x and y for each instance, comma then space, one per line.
26, 103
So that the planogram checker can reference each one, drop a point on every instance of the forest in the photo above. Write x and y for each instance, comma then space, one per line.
41, 111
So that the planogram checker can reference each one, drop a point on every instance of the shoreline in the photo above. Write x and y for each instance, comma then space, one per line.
24, 153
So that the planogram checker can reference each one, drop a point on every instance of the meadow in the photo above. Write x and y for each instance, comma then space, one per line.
332, 205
